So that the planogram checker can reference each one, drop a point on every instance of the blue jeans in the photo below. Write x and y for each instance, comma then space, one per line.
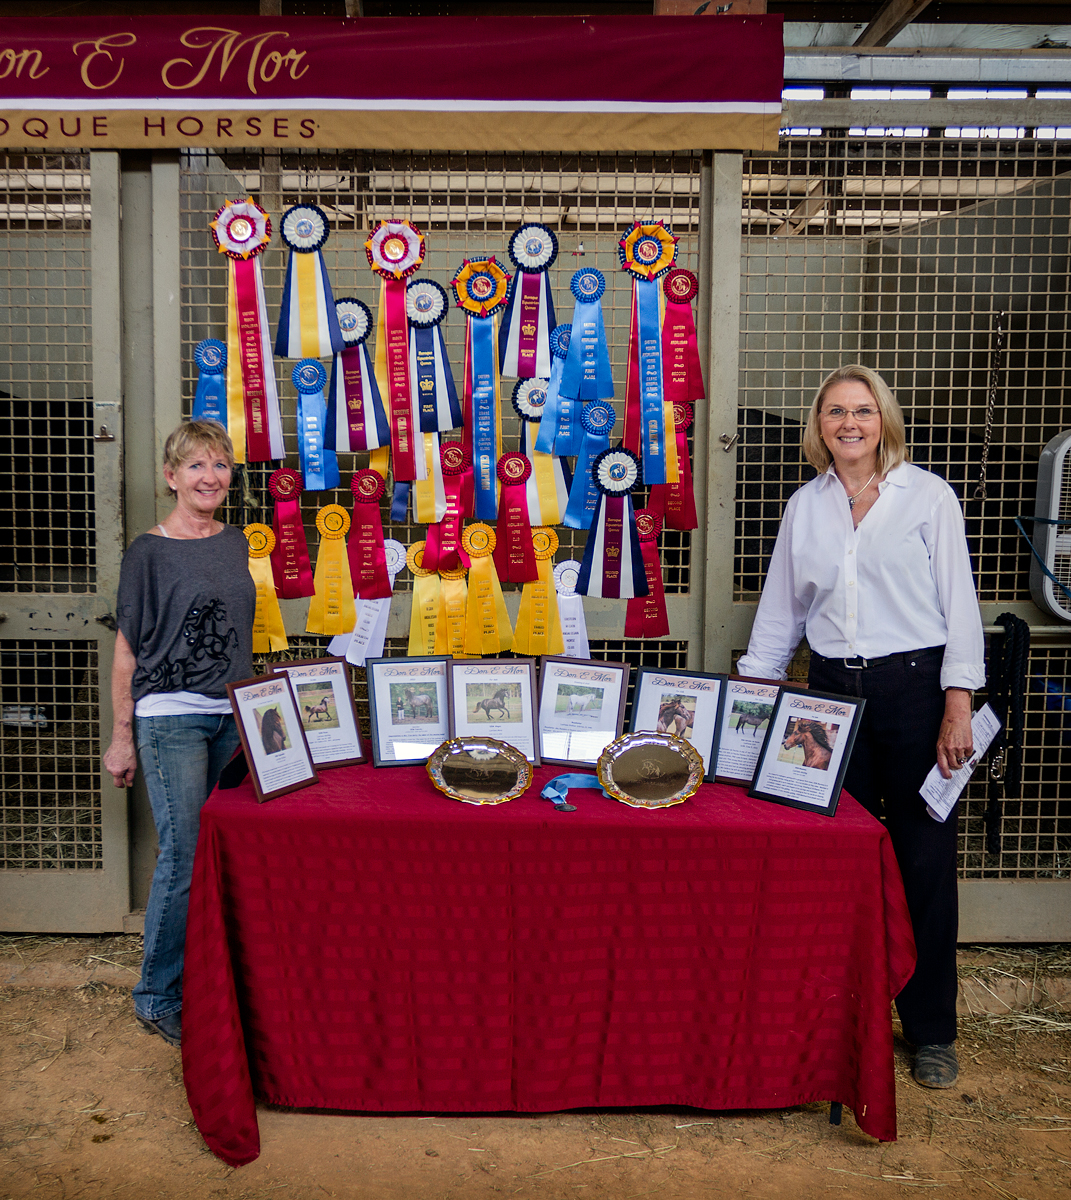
181, 758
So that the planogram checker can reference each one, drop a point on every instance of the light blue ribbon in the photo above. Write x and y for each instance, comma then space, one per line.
557, 788
319, 466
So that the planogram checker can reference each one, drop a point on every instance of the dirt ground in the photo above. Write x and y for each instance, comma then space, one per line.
92, 1107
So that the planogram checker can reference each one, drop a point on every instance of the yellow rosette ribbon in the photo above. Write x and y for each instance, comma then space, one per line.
487, 625
424, 615
450, 626
331, 610
539, 627
268, 631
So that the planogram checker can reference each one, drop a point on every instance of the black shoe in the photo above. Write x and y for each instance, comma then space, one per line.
936, 1066
169, 1027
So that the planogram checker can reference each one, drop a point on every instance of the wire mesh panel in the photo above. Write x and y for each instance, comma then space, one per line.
46, 451
467, 205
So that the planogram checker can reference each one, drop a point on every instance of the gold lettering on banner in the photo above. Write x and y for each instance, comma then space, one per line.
225, 42
16, 60
102, 48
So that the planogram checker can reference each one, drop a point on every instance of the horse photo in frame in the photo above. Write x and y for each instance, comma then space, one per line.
686, 704
495, 697
409, 706
327, 710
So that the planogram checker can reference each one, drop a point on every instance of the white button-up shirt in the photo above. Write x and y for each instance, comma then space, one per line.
901, 581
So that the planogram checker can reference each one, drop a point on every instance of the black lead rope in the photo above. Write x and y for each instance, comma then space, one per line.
1008, 657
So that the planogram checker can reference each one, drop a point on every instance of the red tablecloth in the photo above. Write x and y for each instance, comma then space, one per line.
369, 944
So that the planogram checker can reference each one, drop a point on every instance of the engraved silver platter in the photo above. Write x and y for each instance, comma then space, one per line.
650, 770
479, 770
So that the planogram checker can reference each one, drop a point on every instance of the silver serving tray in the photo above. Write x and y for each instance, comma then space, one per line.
650, 770
479, 770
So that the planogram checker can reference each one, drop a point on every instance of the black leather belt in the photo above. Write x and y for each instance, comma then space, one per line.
861, 664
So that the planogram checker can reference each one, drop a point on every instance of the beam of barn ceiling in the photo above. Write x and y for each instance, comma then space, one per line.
889, 20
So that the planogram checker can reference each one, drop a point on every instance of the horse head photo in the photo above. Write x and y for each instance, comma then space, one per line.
813, 737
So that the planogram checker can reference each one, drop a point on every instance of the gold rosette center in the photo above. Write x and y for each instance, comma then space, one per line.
333, 521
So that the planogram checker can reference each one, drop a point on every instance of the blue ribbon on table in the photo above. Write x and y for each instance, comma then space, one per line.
596, 420
558, 431
319, 466
587, 374
484, 418
210, 400
557, 789
652, 413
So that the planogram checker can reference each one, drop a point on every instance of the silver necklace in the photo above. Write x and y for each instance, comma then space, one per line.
852, 499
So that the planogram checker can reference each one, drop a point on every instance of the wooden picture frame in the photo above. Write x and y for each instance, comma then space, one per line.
326, 708
575, 733
409, 705
503, 686
687, 704
272, 735
740, 741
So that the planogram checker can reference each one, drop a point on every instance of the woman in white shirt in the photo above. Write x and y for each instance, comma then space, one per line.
871, 564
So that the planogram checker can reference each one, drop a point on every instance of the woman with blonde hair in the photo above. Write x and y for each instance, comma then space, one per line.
871, 564
185, 614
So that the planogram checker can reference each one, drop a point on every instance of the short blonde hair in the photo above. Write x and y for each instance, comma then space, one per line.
892, 449
191, 437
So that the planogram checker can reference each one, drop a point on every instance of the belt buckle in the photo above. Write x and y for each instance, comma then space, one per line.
859, 665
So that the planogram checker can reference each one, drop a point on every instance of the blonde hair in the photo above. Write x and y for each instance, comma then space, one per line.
191, 437
892, 449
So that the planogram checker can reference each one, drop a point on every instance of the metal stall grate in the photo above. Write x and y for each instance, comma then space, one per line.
467, 205
901, 252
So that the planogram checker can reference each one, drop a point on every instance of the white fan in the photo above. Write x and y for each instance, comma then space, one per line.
1051, 564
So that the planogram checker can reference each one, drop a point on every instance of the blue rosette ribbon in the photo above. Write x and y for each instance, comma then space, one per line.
597, 422
559, 431
435, 394
210, 400
586, 375
613, 560
548, 488
308, 323
319, 466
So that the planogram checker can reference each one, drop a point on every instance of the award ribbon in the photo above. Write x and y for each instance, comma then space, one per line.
370, 626
586, 375
646, 616
558, 431
395, 250
480, 288
571, 609
675, 502
242, 231
331, 610
268, 630
514, 556
308, 323
647, 252
290, 559
429, 493
434, 393
548, 488
487, 627
424, 614
597, 420
680, 350
450, 624
529, 315
368, 564
444, 549
539, 629
356, 419
210, 400
319, 466
613, 564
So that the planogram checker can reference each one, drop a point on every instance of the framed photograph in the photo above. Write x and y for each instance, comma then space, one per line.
272, 736
409, 702
325, 705
495, 697
806, 751
687, 704
581, 708
745, 717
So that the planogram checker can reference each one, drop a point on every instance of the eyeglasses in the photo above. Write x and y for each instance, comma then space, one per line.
860, 414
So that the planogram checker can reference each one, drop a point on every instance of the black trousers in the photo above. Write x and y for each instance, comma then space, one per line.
894, 751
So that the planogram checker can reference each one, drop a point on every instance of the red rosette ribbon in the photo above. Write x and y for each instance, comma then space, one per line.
515, 557
290, 563
443, 550
675, 502
646, 616
368, 558
681, 371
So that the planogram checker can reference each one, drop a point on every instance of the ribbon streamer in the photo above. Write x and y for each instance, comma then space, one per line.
367, 558
613, 564
444, 549
242, 230
331, 610
597, 421
370, 626
683, 373
434, 393
308, 322
210, 400
538, 629
269, 632
548, 488
290, 559
450, 624
529, 315
319, 466
487, 627
646, 616
586, 375
424, 615
429, 493
356, 419
571, 609
559, 431
514, 556
675, 502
